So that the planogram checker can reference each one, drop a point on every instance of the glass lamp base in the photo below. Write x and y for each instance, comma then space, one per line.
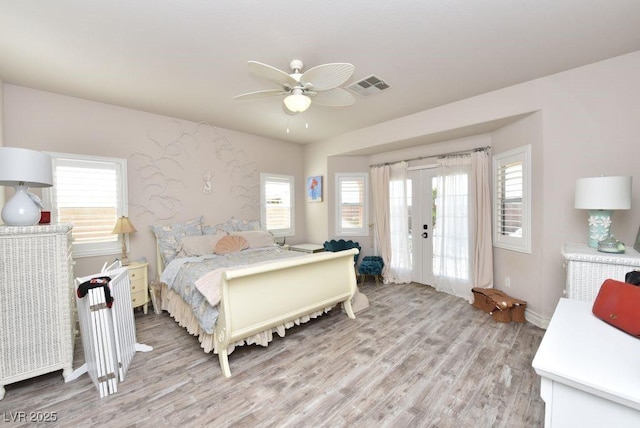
599, 226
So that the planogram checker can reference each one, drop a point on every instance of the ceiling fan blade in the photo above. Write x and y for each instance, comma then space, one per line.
336, 97
260, 94
271, 74
327, 76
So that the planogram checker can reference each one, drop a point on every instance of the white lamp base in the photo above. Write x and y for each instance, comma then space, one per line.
20, 210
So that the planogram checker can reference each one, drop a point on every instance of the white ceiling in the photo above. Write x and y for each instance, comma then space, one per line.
188, 58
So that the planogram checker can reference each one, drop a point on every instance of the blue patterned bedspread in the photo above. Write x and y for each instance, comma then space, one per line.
181, 274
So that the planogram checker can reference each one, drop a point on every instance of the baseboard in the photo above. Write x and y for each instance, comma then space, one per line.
536, 319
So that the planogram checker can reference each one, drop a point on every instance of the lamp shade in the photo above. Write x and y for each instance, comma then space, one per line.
603, 193
124, 225
30, 167
297, 102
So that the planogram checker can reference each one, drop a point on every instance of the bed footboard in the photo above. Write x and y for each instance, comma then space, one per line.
255, 299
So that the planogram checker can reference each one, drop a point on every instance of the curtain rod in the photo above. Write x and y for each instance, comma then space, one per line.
460, 152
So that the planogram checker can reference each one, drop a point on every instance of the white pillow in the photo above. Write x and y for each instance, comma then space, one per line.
256, 238
192, 246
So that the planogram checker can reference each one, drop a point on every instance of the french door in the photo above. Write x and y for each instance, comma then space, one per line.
422, 219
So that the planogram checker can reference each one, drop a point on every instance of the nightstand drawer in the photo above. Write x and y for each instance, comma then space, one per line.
137, 272
139, 298
138, 285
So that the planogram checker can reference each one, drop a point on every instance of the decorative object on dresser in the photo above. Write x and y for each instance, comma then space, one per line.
611, 245
588, 268
123, 226
139, 277
589, 371
36, 286
23, 168
618, 304
601, 195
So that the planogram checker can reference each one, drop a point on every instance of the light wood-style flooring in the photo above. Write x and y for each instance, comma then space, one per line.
414, 358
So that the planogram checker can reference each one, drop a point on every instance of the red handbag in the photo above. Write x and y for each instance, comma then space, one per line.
618, 304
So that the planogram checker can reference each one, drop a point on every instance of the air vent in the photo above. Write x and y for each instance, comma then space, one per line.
368, 86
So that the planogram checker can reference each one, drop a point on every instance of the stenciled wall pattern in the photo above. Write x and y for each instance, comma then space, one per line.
183, 160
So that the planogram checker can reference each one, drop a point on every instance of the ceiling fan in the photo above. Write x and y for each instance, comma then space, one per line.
320, 84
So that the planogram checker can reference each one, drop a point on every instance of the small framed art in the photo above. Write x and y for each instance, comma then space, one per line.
636, 246
314, 189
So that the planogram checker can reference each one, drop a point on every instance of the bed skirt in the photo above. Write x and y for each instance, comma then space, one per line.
171, 302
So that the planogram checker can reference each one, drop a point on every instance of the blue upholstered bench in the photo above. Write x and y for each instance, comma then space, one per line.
371, 265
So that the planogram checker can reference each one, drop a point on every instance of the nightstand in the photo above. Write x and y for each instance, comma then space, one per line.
139, 285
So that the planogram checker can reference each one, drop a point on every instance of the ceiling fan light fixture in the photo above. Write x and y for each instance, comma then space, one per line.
297, 102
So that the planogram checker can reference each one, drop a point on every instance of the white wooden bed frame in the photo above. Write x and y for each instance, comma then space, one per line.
258, 298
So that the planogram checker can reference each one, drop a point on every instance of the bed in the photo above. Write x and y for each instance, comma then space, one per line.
247, 289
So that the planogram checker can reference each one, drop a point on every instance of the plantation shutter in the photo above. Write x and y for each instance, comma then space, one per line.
87, 196
277, 211
512, 199
352, 208
510, 189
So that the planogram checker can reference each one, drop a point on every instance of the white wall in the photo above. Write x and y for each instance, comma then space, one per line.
587, 125
1, 138
167, 160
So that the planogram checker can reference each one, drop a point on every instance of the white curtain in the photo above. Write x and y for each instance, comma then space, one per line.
463, 253
380, 192
451, 234
389, 189
399, 271
481, 217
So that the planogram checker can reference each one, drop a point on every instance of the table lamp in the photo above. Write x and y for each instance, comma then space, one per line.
123, 226
23, 168
601, 195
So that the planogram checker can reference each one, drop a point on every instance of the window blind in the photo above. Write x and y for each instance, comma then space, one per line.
87, 196
510, 189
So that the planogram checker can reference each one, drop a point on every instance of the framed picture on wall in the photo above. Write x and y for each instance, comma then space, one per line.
636, 246
314, 189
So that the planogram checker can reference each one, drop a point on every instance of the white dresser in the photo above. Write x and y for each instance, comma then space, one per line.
587, 268
36, 288
590, 372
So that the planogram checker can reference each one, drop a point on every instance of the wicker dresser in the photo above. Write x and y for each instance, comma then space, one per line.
36, 286
587, 268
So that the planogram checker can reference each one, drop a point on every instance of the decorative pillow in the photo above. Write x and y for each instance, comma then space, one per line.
232, 225
231, 244
225, 227
256, 238
170, 235
191, 246
244, 225
208, 229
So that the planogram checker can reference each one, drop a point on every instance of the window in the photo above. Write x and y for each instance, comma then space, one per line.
91, 193
512, 199
352, 210
277, 210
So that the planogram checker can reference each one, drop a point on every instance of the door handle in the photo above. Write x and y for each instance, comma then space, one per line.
425, 235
